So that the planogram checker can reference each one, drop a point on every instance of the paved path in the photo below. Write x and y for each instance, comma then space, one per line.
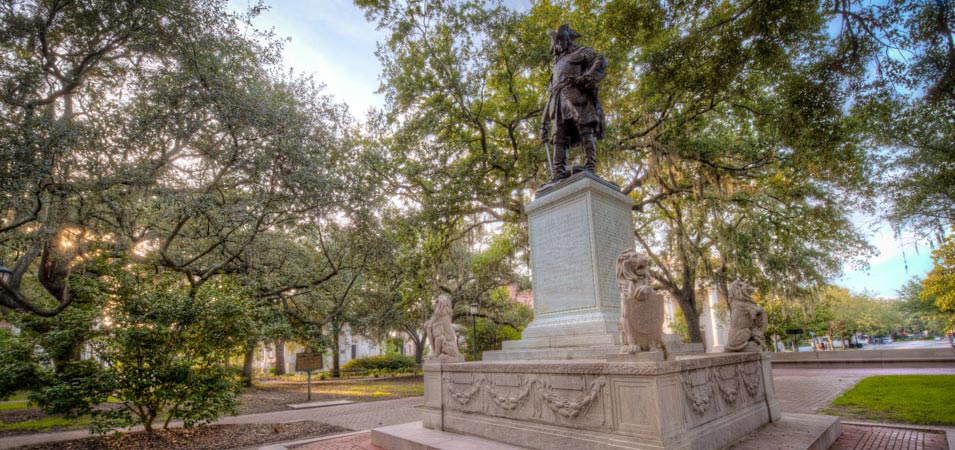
355, 416
805, 395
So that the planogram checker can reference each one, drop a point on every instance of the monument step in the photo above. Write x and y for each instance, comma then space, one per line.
792, 432
579, 352
588, 340
544, 329
563, 341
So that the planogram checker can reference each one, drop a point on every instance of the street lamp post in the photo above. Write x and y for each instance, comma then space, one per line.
474, 310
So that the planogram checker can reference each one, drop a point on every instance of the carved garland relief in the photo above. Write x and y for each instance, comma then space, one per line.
699, 385
563, 407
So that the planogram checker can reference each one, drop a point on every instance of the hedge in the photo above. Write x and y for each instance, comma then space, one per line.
391, 363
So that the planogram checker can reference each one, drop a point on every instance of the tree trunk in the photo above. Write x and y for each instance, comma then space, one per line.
148, 424
687, 302
418, 343
247, 366
336, 362
279, 357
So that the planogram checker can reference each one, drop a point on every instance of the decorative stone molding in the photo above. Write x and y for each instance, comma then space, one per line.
699, 391
463, 397
512, 402
572, 408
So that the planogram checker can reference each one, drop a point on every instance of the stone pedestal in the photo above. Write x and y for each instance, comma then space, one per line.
577, 230
703, 402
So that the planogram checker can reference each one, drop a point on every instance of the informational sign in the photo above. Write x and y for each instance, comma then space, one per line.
308, 361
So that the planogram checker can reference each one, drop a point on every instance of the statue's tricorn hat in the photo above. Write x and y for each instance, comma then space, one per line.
565, 31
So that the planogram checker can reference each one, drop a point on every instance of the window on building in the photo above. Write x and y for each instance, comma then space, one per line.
354, 351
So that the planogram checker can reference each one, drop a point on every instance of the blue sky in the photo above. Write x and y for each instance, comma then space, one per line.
332, 40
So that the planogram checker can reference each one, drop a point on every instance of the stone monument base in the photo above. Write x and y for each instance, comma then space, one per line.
791, 432
698, 402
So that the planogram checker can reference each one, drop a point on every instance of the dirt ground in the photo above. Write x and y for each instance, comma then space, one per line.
268, 396
210, 437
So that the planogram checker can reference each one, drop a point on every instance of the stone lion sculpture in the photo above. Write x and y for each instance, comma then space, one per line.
747, 320
641, 307
444, 343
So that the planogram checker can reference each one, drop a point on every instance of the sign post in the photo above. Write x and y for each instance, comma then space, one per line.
308, 361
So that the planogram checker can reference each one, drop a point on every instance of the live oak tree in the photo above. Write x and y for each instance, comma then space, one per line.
159, 131
903, 57
724, 123
161, 138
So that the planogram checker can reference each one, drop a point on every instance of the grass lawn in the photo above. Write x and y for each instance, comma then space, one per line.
370, 388
18, 404
917, 399
45, 424
18, 395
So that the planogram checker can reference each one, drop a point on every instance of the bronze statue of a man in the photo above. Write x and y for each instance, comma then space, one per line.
572, 102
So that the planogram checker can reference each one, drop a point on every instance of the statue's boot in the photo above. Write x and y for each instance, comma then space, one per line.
560, 163
590, 153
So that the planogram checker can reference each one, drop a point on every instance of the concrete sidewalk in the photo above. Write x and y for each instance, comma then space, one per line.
355, 416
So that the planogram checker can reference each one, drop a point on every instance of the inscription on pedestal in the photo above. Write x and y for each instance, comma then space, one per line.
562, 264
613, 222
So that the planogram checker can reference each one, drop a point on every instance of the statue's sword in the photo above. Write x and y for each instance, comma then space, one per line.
550, 159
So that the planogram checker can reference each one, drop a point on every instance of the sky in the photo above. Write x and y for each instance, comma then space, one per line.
332, 40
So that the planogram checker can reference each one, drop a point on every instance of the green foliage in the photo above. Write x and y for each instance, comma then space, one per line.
19, 368
490, 336
907, 106
922, 310
938, 286
390, 363
918, 399
162, 353
679, 326
849, 313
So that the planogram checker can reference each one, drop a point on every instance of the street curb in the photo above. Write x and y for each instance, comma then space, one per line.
284, 445
903, 426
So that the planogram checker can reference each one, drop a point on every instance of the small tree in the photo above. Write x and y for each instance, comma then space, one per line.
161, 347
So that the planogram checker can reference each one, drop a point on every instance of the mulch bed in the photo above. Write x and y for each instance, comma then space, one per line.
211, 437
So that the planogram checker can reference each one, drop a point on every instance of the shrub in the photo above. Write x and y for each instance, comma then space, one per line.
161, 357
389, 363
19, 368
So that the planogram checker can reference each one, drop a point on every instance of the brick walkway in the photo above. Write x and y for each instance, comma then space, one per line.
855, 437
357, 442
